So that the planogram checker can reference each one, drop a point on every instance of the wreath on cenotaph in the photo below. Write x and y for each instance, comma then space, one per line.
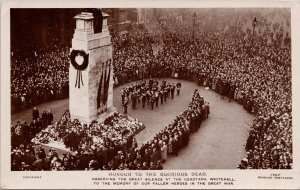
80, 61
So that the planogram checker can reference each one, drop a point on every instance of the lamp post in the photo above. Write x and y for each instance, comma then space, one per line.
194, 23
254, 24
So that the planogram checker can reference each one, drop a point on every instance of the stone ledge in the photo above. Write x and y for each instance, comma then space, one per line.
100, 118
109, 112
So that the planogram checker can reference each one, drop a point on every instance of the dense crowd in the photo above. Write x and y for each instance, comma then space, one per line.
110, 145
252, 67
149, 93
39, 77
96, 140
249, 65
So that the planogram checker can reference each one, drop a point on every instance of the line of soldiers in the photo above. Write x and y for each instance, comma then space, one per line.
150, 93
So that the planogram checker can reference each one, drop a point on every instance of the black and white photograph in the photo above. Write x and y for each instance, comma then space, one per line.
150, 89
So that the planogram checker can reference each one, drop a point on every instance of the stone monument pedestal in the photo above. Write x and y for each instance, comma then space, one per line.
91, 87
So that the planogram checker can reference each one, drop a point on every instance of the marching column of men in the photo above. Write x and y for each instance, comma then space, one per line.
148, 93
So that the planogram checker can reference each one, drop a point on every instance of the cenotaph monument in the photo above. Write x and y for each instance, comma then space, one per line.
91, 69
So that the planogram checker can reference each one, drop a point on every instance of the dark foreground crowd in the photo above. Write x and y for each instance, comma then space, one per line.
110, 145
96, 140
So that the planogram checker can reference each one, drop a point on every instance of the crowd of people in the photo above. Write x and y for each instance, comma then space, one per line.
110, 145
96, 140
249, 65
149, 93
23, 132
39, 77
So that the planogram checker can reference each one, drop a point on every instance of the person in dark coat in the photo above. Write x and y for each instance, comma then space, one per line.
175, 145
250, 142
168, 90
165, 94
178, 86
152, 166
185, 137
35, 113
193, 123
152, 99
122, 95
143, 99
197, 120
134, 100
161, 95
38, 164
49, 117
44, 117
172, 91
155, 156
156, 96
146, 156
145, 166
125, 105
73, 140
46, 163
148, 97
159, 166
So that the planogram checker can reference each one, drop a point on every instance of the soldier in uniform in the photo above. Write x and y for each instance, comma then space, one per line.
134, 100
172, 90
152, 99
148, 97
125, 105
138, 95
178, 86
154, 88
150, 83
206, 109
161, 95
156, 96
168, 90
165, 94
143, 99
122, 95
